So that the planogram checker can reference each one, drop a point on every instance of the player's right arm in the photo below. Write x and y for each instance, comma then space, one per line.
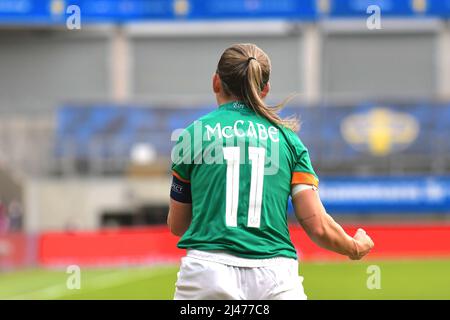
324, 231
180, 208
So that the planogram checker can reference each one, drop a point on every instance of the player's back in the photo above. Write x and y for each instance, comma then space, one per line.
240, 167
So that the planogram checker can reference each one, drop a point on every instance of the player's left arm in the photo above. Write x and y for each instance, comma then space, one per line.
180, 209
322, 228
311, 214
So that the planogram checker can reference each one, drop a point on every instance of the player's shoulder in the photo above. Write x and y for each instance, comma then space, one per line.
293, 139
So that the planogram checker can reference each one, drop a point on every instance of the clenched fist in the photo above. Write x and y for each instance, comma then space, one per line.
363, 245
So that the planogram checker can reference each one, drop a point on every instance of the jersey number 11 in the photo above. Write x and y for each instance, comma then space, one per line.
257, 158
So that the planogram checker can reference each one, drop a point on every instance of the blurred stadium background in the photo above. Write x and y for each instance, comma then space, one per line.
88, 116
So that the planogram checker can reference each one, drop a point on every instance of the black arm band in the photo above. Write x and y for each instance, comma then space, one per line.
180, 191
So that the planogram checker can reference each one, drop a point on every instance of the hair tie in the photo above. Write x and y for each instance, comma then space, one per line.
250, 59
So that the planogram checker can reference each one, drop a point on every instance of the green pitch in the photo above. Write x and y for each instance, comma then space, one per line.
399, 280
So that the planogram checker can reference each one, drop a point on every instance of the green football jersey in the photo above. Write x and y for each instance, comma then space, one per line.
240, 168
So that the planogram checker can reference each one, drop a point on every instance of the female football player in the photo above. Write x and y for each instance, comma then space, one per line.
233, 172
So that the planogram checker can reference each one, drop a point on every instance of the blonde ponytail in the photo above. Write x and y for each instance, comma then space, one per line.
245, 70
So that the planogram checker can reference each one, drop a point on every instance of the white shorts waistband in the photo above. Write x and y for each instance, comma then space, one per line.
232, 260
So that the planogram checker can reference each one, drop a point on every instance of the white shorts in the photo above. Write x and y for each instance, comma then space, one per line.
201, 277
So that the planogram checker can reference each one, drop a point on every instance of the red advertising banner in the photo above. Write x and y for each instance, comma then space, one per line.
109, 247
157, 245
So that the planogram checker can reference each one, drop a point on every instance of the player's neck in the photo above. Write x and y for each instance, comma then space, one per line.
224, 100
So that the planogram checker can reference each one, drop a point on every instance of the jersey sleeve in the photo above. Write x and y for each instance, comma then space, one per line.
182, 157
303, 171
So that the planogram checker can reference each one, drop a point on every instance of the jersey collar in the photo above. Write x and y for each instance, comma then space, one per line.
235, 106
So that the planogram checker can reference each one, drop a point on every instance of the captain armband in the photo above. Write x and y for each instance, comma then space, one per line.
180, 190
